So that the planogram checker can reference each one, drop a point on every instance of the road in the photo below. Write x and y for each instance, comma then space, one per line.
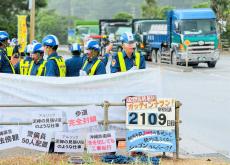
204, 93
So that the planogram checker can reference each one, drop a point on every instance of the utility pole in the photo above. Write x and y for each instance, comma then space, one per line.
32, 20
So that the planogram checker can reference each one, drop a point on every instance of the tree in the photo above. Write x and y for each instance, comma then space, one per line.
48, 22
123, 15
202, 5
9, 11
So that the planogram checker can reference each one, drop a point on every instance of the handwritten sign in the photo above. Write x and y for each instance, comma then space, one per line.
151, 141
101, 142
9, 137
69, 142
81, 118
47, 120
33, 139
148, 112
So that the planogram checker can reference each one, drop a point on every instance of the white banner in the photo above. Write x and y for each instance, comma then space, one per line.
69, 142
9, 137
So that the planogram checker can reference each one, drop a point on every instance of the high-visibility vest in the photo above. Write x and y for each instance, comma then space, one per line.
41, 68
61, 66
11, 65
93, 68
9, 51
24, 67
122, 61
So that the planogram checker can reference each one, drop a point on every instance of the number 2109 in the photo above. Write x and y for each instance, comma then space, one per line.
152, 118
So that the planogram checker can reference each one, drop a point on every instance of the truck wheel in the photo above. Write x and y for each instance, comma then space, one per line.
211, 64
174, 59
158, 54
154, 56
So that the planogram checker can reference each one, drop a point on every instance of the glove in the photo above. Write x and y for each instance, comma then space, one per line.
82, 73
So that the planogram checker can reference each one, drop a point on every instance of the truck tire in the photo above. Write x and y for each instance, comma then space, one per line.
154, 56
158, 54
211, 64
174, 59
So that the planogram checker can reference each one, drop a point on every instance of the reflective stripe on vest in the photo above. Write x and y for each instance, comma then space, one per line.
93, 68
11, 65
24, 67
61, 66
122, 61
41, 68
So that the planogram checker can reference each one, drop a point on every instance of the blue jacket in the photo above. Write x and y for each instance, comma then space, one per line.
73, 66
129, 62
4, 62
100, 68
104, 58
17, 65
51, 66
35, 67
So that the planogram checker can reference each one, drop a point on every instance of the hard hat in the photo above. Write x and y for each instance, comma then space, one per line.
127, 38
14, 40
93, 44
75, 47
34, 41
37, 48
4, 36
50, 40
28, 49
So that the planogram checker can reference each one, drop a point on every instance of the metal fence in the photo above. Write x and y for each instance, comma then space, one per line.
105, 121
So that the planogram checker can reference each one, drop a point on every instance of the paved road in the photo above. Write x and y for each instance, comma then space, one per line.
205, 95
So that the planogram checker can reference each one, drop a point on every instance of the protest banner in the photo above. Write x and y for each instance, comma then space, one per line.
9, 137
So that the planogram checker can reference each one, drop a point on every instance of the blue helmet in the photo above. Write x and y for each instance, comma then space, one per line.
75, 47
34, 41
37, 48
28, 49
50, 40
93, 44
14, 40
4, 36
127, 38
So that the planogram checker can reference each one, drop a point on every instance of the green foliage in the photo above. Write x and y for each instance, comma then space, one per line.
86, 22
48, 22
202, 5
123, 15
9, 11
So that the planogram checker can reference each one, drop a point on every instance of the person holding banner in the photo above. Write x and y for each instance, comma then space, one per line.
74, 64
128, 59
5, 65
22, 66
55, 65
92, 65
37, 66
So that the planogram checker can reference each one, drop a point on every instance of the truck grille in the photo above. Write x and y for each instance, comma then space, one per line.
196, 48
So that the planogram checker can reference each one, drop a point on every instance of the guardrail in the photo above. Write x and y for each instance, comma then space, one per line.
106, 120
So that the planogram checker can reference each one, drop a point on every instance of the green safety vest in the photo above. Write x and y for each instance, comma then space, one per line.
61, 66
41, 68
122, 61
94, 67
24, 67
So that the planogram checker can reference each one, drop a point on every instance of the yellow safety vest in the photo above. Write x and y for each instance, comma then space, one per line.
9, 51
94, 67
24, 67
122, 61
11, 65
41, 68
61, 66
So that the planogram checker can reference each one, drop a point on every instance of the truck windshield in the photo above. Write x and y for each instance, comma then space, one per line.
193, 27
118, 30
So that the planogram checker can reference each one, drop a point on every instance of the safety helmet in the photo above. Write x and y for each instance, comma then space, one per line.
14, 40
4, 36
127, 38
34, 42
93, 44
75, 47
50, 40
28, 49
37, 48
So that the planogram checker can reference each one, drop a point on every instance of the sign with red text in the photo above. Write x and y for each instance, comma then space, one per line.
101, 142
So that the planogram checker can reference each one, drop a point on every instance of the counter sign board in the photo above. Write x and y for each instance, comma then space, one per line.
9, 137
149, 112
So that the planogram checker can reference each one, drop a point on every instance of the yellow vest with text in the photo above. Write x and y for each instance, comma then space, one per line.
24, 67
122, 61
61, 66
41, 68
94, 67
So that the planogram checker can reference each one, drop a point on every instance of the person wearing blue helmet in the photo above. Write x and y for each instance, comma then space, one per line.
5, 65
128, 59
74, 64
55, 65
37, 66
22, 66
92, 65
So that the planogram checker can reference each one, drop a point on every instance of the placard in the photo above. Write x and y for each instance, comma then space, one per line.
9, 137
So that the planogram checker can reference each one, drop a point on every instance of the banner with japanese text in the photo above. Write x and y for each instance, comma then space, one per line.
22, 32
